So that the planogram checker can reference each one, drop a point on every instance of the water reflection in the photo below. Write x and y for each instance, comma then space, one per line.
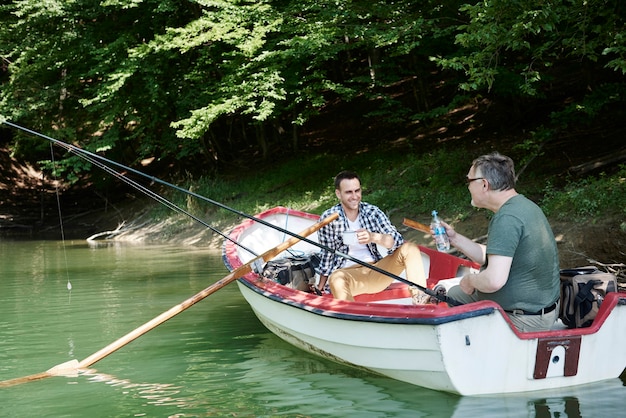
603, 399
157, 394
288, 381
292, 382
215, 359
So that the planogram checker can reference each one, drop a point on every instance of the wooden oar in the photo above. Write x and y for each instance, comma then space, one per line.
416, 225
425, 228
72, 366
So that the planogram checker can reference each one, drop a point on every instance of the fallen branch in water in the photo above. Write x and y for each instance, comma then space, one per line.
117, 231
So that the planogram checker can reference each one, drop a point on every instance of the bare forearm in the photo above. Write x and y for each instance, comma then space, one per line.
474, 251
490, 279
384, 240
482, 282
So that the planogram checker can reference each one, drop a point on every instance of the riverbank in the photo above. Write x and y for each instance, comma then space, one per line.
30, 211
600, 243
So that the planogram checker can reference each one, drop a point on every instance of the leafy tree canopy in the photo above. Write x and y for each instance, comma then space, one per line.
207, 79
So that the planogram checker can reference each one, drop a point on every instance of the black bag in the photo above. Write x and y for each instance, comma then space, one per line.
582, 292
296, 272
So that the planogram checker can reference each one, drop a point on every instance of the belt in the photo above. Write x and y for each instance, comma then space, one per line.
540, 312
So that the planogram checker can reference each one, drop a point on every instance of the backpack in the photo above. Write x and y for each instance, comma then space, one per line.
582, 291
296, 272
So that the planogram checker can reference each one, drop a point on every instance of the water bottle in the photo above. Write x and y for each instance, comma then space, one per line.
441, 237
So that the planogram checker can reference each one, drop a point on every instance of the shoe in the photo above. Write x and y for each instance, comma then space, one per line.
314, 289
440, 291
418, 297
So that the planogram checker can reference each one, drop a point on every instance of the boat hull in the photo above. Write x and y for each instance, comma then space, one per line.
470, 350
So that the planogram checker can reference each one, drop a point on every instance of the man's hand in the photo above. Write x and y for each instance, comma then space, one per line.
466, 284
365, 237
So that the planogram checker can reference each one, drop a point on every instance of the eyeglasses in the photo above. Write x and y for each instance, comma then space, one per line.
469, 180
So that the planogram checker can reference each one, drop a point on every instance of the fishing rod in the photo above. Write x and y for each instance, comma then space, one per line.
171, 205
83, 153
91, 158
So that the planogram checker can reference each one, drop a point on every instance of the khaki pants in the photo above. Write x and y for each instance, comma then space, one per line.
356, 280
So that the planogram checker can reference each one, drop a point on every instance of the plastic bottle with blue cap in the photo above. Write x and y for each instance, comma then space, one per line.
439, 232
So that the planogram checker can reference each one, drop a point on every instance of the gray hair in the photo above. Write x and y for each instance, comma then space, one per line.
497, 169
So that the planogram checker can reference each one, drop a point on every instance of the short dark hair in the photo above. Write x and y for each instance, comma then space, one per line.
498, 169
345, 175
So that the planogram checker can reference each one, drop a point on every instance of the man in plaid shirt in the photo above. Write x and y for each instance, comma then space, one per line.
372, 228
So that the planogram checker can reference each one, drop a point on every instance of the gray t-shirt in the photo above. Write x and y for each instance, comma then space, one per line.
520, 230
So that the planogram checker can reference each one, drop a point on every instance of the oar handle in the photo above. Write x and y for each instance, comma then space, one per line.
416, 225
235, 274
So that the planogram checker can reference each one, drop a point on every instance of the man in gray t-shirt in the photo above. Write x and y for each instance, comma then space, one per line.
521, 263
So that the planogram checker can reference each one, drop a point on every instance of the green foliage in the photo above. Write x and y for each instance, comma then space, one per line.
403, 185
579, 113
421, 183
70, 68
71, 169
591, 105
410, 184
587, 199
205, 80
518, 43
185, 79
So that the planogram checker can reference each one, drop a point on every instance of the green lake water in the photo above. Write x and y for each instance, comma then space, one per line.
213, 360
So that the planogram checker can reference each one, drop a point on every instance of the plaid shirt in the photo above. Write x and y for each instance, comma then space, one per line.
371, 218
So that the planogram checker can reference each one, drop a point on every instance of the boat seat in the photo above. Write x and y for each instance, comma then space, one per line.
445, 266
396, 290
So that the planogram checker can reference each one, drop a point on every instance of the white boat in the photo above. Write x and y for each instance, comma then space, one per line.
471, 349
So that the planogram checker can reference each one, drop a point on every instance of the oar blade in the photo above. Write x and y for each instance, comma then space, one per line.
70, 368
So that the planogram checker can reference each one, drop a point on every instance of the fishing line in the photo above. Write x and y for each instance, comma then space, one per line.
56, 186
95, 160
137, 186
84, 153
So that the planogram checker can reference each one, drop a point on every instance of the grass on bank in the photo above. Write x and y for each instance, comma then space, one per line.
405, 184
588, 199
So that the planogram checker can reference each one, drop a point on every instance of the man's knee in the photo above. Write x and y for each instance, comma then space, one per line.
409, 249
340, 286
408, 253
457, 294
337, 279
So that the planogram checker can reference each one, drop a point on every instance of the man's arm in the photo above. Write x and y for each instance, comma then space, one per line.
491, 279
326, 257
379, 228
322, 283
